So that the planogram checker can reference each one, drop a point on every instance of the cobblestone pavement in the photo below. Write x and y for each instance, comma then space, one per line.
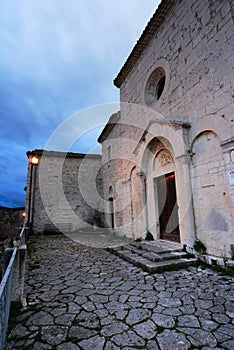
85, 298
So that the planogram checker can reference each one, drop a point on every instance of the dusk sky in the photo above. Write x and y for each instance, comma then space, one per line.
58, 58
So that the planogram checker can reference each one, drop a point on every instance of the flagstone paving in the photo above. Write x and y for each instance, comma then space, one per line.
86, 298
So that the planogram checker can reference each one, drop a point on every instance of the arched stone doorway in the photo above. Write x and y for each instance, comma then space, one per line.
166, 197
161, 181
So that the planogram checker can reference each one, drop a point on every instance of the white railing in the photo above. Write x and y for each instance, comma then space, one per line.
6, 290
5, 298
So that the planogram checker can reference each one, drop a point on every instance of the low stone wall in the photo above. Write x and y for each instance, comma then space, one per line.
10, 222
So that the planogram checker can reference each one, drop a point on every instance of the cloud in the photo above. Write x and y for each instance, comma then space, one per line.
58, 58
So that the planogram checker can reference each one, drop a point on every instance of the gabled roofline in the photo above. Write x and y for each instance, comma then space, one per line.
113, 120
148, 33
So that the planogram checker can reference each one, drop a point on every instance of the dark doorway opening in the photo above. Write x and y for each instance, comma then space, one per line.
112, 218
168, 208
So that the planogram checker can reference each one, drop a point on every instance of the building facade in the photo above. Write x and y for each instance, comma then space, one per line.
173, 143
167, 164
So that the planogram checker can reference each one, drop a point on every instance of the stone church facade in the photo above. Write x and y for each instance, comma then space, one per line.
167, 161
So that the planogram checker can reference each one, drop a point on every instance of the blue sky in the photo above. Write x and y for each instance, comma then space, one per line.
58, 58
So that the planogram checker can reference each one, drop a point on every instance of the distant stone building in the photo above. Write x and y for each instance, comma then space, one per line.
54, 199
168, 156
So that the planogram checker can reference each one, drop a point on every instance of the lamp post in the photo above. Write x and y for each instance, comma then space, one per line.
33, 161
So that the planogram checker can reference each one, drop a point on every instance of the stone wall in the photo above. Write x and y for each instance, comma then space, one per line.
192, 118
10, 222
120, 180
194, 45
64, 193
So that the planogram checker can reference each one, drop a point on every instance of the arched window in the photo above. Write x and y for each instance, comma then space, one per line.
111, 208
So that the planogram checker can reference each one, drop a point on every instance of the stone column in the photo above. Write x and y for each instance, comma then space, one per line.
144, 202
185, 199
131, 209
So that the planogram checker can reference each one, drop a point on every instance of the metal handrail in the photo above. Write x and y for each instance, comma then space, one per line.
5, 298
6, 293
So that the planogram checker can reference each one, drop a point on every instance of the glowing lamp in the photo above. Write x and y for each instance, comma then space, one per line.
34, 160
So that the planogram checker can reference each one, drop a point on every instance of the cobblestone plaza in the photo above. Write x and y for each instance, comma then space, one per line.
86, 298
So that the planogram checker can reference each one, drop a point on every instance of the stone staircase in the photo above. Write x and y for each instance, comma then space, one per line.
156, 256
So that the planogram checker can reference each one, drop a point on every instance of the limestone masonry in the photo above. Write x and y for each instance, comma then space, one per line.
167, 164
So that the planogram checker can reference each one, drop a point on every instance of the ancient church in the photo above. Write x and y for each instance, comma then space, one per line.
167, 164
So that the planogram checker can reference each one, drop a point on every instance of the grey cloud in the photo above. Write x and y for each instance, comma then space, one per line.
57, 58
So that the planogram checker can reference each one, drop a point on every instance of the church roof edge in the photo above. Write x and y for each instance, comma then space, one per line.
151, 28
113, 120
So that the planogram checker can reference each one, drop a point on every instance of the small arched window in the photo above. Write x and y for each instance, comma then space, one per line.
155, 86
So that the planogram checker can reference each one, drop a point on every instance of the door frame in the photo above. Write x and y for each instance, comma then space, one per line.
165, 236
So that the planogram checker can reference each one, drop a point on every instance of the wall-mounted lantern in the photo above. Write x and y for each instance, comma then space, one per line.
33, 161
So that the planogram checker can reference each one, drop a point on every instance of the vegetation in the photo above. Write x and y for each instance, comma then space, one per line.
15, 311
232, 251
149, 236
225, 271
199, 246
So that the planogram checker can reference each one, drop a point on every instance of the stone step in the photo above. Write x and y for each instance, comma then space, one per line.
166, 256
170, 264
160, 248
169, 255
151, 255
151, 266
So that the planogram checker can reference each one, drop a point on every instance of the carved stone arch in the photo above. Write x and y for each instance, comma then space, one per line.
170, 135
163, 158
154, 147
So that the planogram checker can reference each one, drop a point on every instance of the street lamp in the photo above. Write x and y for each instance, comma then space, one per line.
33, 161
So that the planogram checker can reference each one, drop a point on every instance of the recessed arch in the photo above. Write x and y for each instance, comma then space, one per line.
154, 147
159, 168
111, 192
200, 134
211, 123
211, 207
169, 133
111, 208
